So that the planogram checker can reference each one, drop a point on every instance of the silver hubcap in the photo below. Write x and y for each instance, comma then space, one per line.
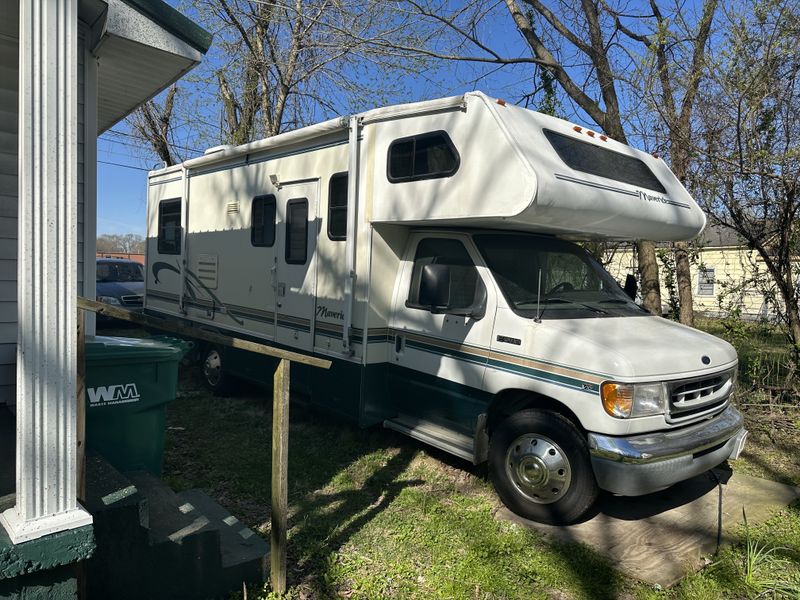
538, 468
213, 367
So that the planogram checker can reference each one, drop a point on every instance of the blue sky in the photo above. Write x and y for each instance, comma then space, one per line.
123, 161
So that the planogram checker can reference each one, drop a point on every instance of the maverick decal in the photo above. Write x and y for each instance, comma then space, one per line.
326, 313
105, 395
660, 199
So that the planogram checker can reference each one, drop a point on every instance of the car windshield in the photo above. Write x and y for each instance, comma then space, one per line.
573, 284
119, 272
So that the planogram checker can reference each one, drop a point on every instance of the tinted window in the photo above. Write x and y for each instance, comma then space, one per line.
296, 231
337, 207
116, 272
425, 156
262, 213
169, 227
586, 157
464, 276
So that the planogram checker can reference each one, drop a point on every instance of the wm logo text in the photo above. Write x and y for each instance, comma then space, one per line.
113, 394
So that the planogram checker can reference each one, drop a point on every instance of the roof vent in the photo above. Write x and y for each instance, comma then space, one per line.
215, 149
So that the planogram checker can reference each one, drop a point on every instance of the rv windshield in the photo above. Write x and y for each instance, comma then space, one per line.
573, 284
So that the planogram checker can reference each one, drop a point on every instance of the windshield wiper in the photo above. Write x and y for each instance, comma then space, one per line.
594, 309
614, 301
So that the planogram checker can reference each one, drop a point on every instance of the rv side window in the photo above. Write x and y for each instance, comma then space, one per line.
425, 156
296, 231
337, 207
262, 228
169, 227
586, 157
465, 285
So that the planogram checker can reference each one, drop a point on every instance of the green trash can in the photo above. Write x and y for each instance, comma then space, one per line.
129, 382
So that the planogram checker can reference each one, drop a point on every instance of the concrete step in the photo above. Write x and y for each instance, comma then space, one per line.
184, 559
245, 554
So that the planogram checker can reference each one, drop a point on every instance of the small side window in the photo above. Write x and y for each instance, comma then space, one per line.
425, 156
262, 221
705, 282
297, 231
169, 227
337, 207
465, 289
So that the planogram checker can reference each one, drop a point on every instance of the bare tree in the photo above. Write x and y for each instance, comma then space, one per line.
290, 61
677, 64
152, 122
750, 178
129, 243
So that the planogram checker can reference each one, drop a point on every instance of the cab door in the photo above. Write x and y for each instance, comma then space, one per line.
441, 351
295, 281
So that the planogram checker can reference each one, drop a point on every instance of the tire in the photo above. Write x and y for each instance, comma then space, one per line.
539, 464
214, 374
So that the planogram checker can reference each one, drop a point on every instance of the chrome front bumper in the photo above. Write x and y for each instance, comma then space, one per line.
636, 465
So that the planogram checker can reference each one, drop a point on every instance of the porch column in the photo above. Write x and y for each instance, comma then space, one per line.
46, 354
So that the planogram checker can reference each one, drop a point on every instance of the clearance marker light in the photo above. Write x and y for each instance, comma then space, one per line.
577, 128
604, 137
590, 133
501, 102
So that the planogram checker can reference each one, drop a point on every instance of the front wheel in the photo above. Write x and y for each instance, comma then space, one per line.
539, 465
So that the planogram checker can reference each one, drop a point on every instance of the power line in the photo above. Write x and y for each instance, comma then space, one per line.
107, 162
130, 135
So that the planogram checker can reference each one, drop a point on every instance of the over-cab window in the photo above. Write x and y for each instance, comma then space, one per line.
169, 227
466, 289
337, 207
588, 158
297, 231
425, 156
262, 221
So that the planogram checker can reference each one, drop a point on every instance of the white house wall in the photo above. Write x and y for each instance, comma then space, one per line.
9, 84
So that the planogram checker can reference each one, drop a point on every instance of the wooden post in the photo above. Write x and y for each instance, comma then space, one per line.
80, 432
280, 464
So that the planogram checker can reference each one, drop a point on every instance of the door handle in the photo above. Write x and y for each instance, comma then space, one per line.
399, 343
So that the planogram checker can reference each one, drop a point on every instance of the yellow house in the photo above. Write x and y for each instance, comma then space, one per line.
726, 274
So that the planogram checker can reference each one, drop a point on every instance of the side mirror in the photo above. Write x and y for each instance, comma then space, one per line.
631, 286
434, 287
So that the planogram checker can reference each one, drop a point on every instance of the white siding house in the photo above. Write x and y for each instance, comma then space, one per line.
69, 69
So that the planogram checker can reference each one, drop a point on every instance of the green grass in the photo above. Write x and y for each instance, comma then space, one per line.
376, 515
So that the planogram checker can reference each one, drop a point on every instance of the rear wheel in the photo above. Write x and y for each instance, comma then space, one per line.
214, 374
539, 465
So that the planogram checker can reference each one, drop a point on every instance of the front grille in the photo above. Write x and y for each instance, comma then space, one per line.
132, 300
700, 396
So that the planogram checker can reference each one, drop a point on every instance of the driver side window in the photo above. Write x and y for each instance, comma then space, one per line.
569, 272
465, 285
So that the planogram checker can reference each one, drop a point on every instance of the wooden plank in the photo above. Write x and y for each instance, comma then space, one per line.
280, 467
81, 414
193, 332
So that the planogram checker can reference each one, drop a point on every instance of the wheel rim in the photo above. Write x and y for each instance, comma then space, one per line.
213, 368
538, 468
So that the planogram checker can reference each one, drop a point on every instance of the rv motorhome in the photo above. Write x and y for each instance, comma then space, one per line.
430, 251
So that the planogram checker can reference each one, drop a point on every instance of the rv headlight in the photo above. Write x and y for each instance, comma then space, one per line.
109, 300
623, 400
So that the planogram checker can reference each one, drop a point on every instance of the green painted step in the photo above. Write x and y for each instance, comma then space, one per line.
245, 554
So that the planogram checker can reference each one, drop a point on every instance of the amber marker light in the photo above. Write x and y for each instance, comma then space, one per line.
590, 133
577, 128
501, 102
617, 399
604, 137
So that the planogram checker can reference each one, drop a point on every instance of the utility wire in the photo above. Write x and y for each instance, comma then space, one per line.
107, 162
130, 135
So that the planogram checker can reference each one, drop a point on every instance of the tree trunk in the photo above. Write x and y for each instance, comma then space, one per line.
683, 277
648, 276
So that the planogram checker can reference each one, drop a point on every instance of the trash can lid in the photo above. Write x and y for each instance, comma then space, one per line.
121, 349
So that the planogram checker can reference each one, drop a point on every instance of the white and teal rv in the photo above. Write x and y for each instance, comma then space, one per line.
430, 251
